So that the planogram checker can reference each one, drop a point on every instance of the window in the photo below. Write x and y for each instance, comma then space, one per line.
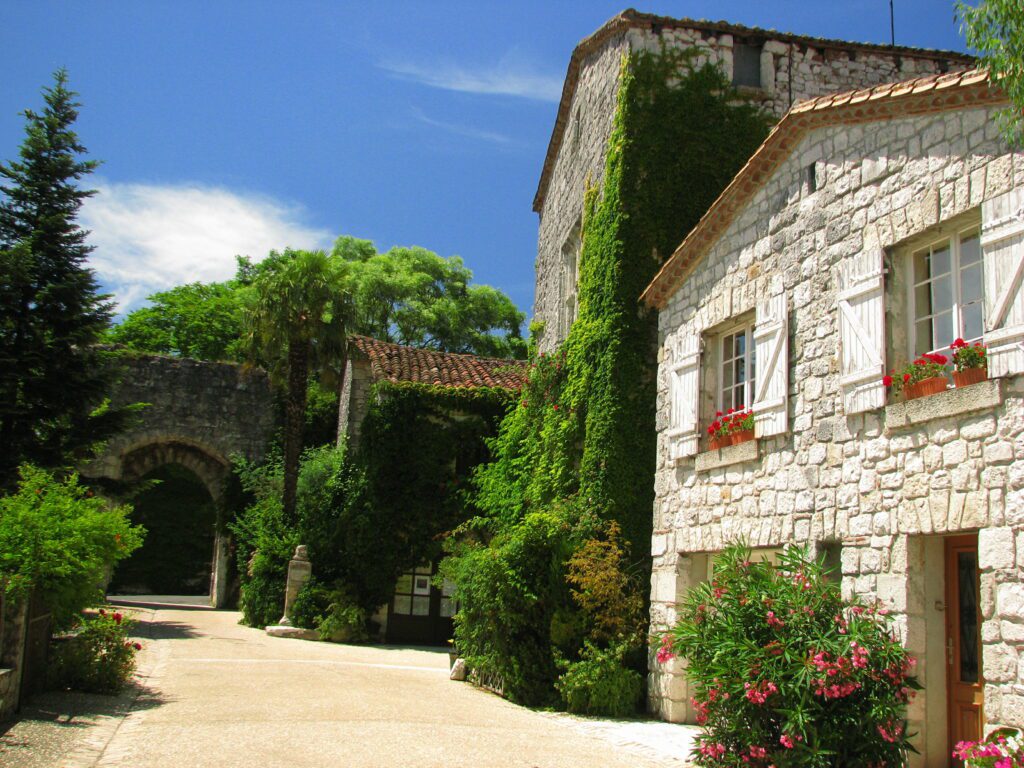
569, 277
946, 295
737, 368
746, 65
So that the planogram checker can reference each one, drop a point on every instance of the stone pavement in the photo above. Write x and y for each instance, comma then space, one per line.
214, 694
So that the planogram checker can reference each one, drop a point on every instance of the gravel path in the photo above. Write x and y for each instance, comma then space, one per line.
213, 694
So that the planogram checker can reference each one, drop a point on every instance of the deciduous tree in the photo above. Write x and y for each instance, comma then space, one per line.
995, 28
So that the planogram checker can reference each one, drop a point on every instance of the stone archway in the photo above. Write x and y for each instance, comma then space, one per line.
211, 470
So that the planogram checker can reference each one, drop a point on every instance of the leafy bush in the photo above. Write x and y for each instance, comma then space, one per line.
786, 672
58, 537
331, 611
600, 683
98, 658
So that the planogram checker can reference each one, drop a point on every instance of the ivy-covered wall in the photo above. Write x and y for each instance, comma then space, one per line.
584, 429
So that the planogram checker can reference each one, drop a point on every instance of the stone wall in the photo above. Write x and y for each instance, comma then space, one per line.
790, 71
881, 484
207, 410
355, 398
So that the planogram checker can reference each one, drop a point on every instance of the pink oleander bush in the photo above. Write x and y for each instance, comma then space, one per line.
1004, 748
784, 672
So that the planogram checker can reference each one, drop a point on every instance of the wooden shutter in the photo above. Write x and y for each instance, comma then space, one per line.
861, 321
771, 355
1002, 245
684, 379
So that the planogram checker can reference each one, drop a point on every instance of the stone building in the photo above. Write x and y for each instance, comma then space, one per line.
772, 68
870, 227
419, 612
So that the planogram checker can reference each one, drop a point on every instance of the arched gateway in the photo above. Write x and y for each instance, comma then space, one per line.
198, 415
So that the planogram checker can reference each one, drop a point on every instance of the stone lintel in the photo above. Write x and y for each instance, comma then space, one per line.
732, 454
957, 401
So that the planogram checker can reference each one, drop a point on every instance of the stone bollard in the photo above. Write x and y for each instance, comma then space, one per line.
299, 571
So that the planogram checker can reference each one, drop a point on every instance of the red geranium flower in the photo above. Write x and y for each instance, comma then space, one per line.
887, 380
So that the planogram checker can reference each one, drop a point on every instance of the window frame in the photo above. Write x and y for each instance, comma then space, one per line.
954, 236
749, 382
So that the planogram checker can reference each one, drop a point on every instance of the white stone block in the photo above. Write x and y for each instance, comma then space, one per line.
996, 549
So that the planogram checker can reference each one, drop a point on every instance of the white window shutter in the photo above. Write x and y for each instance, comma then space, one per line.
684, 378
1002, 245
771, 354
861, 321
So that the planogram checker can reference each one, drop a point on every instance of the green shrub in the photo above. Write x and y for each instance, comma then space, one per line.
331, 611
58, 537
786, 672
600, 683
98, 658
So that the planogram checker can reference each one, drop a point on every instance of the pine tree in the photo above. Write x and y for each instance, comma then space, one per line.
53, 378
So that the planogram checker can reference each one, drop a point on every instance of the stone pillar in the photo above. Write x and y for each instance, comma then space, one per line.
299, 571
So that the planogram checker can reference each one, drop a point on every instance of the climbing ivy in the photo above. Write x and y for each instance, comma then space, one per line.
584, 428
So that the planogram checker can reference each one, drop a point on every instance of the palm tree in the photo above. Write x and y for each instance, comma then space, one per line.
297, 320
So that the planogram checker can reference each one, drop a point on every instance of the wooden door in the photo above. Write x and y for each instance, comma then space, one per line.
964, 679
419, 612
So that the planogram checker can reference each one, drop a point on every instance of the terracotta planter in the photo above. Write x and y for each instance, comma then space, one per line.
718, 442
931, 386
742, 436
969, 376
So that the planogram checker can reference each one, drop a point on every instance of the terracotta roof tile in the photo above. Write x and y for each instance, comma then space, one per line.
924, 95
398, 363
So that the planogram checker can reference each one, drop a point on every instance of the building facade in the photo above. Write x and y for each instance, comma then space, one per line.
869, 228
768, 67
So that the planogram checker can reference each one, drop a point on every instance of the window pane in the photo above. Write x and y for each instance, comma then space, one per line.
942, 294
727, 347
726, 375
404, 583
972, 321
970, 249
403, 604
922, 301
420, 606
967, 583
924, 337
940, 260
741, 344
741, 371
970, 284
447, 607
942, 328
921, 270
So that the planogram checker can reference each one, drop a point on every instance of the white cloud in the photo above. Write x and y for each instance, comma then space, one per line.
511, 76
152, 237
462, 130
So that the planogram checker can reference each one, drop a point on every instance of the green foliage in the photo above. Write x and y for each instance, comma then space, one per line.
787, 672
179, 516
407, 295
264, 544
584, 427
413, 296
98, 658
53, 378
331, 611
995, 29
57, 537
296, 323
600, 683
203, 321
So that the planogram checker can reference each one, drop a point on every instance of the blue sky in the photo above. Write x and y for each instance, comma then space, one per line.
234, 127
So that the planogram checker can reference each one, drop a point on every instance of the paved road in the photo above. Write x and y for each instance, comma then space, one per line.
218, 695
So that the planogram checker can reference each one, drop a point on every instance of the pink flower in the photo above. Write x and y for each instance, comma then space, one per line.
785, 741
773, 621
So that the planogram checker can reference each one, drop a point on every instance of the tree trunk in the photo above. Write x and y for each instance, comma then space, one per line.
342, 427
294, 419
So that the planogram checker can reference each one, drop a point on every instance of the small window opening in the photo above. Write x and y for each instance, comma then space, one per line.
811, 179
746, 65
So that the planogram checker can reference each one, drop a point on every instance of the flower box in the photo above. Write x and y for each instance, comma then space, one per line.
742, 436
925, 387
969, 376
717, 442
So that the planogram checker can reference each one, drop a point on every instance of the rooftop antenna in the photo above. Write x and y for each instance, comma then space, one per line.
892, 23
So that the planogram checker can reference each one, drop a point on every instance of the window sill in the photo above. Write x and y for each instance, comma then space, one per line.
723, 457
957, 401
